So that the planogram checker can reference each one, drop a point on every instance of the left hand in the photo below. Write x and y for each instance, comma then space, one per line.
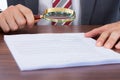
109, 35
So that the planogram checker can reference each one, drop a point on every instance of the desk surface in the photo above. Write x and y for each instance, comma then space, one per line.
10, 71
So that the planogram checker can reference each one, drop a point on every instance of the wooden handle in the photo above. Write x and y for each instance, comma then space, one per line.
37, 17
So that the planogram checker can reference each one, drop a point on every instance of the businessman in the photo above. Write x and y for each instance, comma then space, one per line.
90, 12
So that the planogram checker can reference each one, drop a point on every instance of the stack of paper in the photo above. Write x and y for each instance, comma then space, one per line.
41, 51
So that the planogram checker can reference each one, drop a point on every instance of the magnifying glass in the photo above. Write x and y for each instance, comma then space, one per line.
59, 15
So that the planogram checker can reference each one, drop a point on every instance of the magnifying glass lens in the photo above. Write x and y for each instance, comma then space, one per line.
58, 15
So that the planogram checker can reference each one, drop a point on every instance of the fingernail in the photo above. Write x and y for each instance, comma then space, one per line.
107, 46
99, 44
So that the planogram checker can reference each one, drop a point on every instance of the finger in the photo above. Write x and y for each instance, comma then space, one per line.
103, 37
10, 19
3, 24
18, 17
27, 14
117, 46
94, 32
112, 40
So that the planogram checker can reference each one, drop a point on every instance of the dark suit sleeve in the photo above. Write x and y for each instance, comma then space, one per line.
31, 4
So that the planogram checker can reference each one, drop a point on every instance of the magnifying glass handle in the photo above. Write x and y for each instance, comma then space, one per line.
37, 17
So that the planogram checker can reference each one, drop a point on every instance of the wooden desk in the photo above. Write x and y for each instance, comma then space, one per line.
10, 71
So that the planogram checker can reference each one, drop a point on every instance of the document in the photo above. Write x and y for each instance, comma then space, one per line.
57, 50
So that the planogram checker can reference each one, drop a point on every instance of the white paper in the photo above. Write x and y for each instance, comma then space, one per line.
43, 51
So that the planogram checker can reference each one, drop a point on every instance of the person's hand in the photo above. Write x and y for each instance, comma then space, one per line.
109, 35
16, 17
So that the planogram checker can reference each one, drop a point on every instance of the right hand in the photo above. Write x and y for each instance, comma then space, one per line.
16, 17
